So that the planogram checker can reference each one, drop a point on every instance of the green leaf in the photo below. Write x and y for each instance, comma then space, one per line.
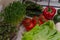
46, 31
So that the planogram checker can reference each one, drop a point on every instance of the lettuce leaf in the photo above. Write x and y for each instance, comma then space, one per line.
46, 31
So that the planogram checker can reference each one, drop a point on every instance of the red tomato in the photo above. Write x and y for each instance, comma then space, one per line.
40, 22
29, 26
34, 20
42, 19
26, 20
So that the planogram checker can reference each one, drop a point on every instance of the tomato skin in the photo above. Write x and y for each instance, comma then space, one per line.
26, 20
42, 19
49, 15
28, 24
40, 22
34, 20
29, 27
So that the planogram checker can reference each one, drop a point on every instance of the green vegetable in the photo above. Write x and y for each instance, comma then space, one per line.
14, 13
46, 31
32, 5
49, 10
6, 30
57, 18
32, 13
33, 9
58, 11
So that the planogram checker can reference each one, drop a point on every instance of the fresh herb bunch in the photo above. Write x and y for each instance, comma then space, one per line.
6, 31
14, 13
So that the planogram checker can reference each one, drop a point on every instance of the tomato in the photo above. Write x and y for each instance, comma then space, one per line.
34, 20
28, 24
42, 19
26, 20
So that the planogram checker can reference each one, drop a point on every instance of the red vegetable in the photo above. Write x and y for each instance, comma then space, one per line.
28, 24
42, 19
34, 20
49, 12
40, 22
27, 20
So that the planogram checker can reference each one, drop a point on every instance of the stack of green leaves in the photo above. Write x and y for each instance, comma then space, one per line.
14, 13
46, 31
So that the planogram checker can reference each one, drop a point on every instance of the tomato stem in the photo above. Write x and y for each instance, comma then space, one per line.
49, 9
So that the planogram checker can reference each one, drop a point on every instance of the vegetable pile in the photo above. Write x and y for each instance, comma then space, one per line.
30, 23
46, 31
41, 26
12, 15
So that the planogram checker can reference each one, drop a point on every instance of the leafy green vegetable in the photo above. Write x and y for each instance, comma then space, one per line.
33, 9
6, 30
32, 5
14, 13
46, 31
